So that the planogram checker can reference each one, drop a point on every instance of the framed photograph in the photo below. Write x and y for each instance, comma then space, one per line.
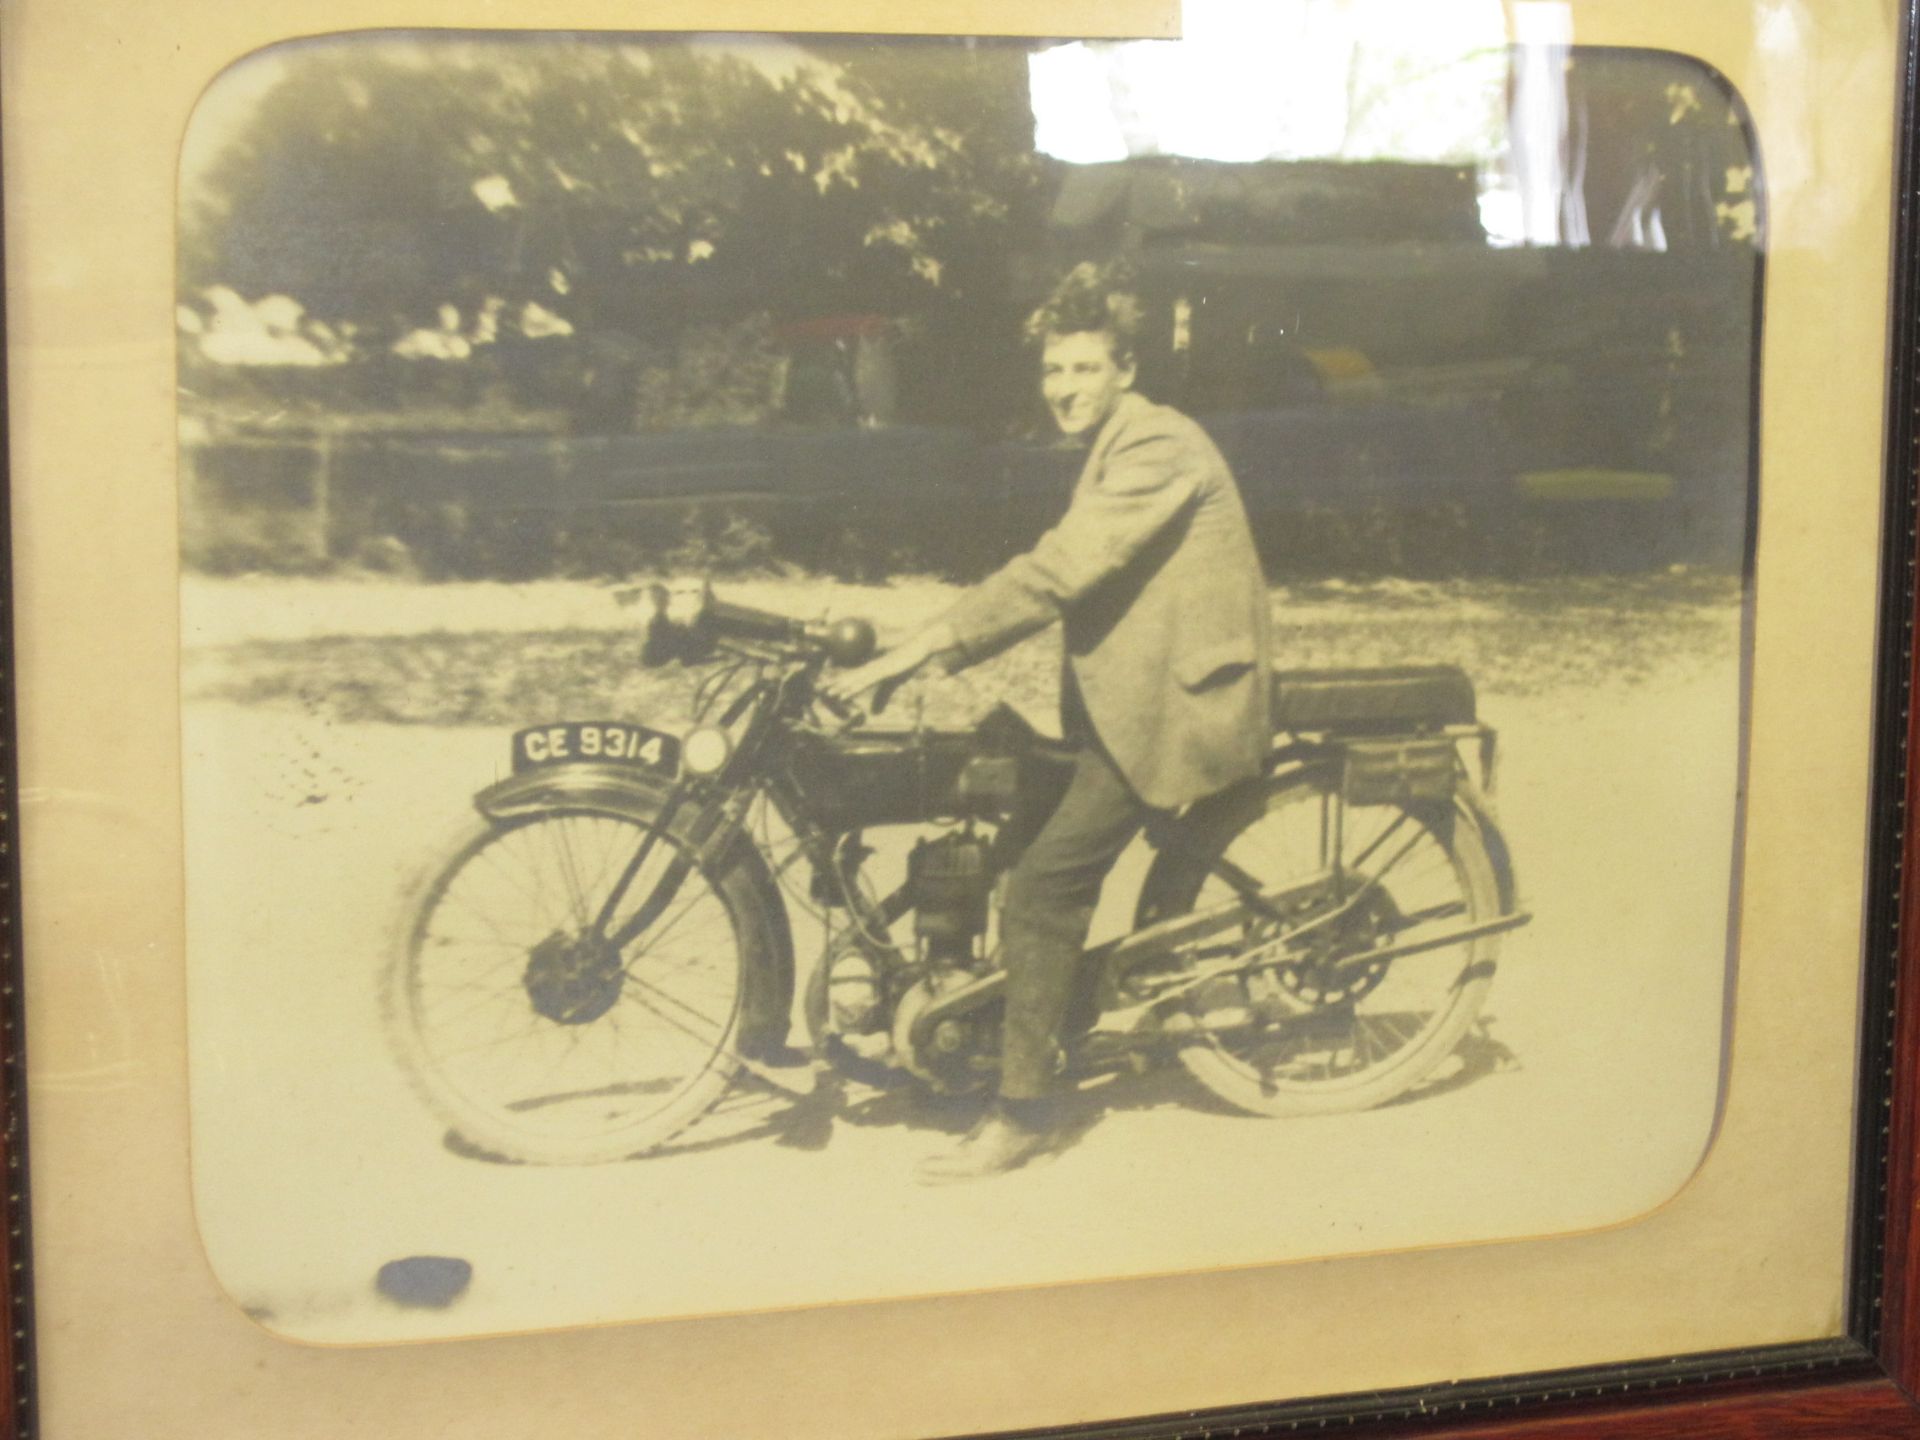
757, 720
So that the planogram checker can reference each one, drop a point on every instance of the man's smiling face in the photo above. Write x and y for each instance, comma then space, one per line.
1081, 380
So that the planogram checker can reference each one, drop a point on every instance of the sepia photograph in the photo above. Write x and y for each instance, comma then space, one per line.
821, 669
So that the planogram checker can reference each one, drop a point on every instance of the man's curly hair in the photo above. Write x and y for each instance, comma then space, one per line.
1092, 297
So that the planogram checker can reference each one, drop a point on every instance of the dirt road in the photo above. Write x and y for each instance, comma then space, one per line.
1588, 1099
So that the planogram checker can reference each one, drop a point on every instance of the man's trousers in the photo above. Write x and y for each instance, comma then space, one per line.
1050, 899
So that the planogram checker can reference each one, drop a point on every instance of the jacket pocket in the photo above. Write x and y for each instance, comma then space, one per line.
1214, 663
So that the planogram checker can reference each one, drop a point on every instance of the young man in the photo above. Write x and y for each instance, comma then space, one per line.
1153, 572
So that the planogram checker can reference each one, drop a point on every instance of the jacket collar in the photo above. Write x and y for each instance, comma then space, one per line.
1125, 409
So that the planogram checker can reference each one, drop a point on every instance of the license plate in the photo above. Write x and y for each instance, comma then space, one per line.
595, 742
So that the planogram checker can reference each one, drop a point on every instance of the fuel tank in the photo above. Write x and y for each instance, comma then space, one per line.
900, 777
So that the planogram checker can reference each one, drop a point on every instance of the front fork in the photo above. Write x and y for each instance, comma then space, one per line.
710, 826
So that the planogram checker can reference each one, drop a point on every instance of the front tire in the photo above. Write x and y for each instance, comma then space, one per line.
535, 1041
1330, 1031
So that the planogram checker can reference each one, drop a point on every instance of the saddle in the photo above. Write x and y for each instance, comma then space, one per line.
1379, 700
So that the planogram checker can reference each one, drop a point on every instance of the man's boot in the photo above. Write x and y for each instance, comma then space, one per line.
1007, 1137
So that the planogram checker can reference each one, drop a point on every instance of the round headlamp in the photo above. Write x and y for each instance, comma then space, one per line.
705, 750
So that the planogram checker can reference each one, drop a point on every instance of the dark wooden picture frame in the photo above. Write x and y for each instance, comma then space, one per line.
1864, 1384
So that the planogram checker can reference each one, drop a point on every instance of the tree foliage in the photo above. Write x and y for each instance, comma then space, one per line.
634, 191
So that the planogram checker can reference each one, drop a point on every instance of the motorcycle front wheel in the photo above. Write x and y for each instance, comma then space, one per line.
1328, 1029
532, 1025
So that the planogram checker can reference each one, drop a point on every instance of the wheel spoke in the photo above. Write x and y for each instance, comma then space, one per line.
472, 907
660, 1014
665, 927
1368, 882
609, 857
512, 877
490, 999
1366, 853
570, 873
496, 1042
445, 938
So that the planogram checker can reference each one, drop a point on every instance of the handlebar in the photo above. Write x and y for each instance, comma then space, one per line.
845, 643
745, 623
681, 618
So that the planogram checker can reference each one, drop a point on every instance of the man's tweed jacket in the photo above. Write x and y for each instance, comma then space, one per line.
1153, 570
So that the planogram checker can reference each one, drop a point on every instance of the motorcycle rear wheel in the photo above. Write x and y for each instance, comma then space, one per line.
1334, 1032
536, 1042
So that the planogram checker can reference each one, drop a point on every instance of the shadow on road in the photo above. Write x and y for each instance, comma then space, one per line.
869, 1095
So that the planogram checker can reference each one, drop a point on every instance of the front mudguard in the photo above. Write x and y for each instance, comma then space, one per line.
767, 982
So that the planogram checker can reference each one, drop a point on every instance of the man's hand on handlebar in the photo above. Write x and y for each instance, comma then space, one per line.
884, 674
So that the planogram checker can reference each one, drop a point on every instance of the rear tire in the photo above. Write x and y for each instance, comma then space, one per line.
1330, 1032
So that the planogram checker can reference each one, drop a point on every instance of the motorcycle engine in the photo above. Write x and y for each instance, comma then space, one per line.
950, 882
949, 1057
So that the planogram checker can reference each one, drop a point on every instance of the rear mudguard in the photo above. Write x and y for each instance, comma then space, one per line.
1162, 876
767, 987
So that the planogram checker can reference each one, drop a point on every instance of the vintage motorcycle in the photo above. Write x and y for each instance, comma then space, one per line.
609, 948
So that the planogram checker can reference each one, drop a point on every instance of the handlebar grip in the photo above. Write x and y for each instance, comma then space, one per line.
837, 708
883, 694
